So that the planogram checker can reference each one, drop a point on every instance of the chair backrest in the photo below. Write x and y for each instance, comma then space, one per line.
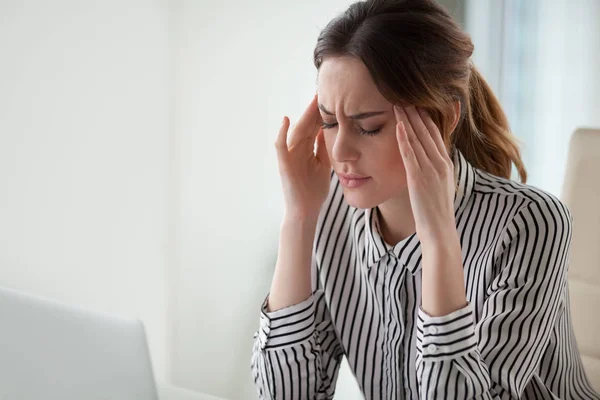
581, 193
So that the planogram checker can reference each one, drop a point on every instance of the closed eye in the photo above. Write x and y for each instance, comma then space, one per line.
362, 131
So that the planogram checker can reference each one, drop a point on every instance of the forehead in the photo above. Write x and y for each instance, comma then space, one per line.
346, 82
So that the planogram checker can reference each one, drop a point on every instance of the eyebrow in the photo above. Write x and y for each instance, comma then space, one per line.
355, 116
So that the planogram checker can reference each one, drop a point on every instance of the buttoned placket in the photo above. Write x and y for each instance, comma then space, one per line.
386, 318
401, 355
389, 298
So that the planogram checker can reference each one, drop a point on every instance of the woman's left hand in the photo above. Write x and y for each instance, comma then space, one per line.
429, 174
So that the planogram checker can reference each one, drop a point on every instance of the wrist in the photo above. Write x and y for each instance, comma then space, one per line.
299, 219
441, 243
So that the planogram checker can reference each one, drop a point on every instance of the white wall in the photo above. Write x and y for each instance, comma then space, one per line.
241, 66
83, 155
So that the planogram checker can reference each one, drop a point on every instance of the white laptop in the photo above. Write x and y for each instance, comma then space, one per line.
51, 351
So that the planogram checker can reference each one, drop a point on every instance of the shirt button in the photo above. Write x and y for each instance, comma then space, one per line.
433, 330
432, 348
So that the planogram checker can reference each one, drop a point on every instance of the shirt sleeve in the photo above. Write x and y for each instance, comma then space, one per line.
497, 357
296, 352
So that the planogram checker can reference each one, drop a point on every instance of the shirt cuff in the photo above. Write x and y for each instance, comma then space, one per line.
287, 326
446, 337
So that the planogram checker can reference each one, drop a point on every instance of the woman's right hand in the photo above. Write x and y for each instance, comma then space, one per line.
304, 176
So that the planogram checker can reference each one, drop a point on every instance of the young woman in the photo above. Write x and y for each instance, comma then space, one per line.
405, 246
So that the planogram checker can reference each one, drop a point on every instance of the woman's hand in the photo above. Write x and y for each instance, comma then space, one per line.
304, 176
429, 173
430, 176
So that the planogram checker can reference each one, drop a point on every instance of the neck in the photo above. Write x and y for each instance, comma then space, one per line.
396, 219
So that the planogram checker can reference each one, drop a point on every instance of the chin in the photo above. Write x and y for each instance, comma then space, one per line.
357, 201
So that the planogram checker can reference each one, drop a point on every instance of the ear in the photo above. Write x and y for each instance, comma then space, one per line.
456, 115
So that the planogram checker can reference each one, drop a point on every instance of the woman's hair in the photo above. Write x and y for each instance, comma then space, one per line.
416, 53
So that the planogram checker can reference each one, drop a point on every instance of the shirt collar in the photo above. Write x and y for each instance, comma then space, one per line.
408, 251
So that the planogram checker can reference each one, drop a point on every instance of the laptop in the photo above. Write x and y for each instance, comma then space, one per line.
53, 351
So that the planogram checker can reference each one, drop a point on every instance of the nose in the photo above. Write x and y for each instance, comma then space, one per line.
345, 146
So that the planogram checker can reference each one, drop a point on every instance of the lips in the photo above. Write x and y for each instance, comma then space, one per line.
352, 176
353, 183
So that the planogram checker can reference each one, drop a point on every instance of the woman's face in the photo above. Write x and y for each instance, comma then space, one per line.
345, 89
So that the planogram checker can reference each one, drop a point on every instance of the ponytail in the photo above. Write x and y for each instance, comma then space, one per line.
484, 135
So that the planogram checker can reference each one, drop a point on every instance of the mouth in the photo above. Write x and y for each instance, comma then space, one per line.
350, 180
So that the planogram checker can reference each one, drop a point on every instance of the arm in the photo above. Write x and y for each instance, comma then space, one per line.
292, 277
296, 352
497, 357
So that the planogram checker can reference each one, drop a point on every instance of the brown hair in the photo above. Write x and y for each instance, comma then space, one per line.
416, 53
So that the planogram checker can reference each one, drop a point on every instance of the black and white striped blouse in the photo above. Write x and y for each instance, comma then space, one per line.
513, 340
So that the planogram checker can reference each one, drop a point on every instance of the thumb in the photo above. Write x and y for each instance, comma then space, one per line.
322, 155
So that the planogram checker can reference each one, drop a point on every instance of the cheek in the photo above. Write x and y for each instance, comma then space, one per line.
390, 167
390, 157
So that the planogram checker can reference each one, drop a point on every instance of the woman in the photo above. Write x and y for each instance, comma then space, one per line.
405, 245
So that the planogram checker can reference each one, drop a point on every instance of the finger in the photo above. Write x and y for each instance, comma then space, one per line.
408, 156
281, 141
422, 133
308, 125
322, 155
412, 137
435, 134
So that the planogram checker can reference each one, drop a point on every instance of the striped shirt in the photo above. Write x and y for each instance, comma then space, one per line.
514, 339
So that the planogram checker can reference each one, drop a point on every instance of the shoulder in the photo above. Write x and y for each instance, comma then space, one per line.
534, 208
